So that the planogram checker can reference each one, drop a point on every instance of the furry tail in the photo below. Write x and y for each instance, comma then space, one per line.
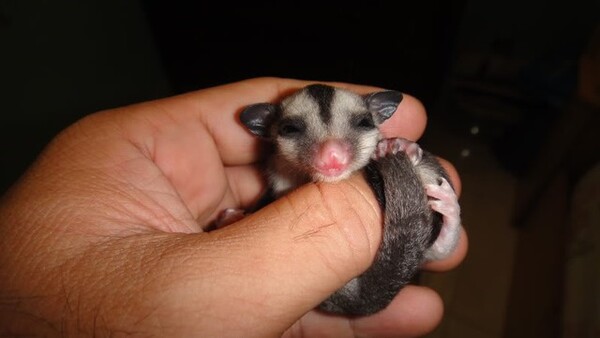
407, 233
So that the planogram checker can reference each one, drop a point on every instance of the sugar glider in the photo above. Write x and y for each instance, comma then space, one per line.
325, 133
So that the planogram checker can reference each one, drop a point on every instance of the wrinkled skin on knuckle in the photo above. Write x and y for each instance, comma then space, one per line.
354, 227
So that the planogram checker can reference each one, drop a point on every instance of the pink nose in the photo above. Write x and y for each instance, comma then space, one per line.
333, 157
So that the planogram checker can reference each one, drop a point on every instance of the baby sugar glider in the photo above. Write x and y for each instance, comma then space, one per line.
324, 133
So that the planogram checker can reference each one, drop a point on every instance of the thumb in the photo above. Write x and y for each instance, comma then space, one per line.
301, 248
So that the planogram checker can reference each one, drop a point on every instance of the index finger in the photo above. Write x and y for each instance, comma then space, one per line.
218, 109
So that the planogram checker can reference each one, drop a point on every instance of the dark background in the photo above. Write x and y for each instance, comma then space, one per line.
493, 73
61, 60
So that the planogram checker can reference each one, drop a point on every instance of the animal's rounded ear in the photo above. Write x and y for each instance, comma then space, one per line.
383, 104
257, 118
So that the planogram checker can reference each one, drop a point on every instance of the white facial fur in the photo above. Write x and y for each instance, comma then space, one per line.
295, 164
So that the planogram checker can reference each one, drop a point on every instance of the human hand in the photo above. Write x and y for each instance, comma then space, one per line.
104, 233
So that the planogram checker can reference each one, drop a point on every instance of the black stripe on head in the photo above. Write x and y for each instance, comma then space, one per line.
323, 95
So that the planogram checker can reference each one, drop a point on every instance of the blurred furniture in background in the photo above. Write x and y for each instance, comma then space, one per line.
558, 209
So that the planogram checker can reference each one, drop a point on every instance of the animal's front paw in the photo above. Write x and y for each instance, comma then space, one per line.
394, 145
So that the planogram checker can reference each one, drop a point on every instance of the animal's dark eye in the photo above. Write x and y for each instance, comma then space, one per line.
364, 122
291, 128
